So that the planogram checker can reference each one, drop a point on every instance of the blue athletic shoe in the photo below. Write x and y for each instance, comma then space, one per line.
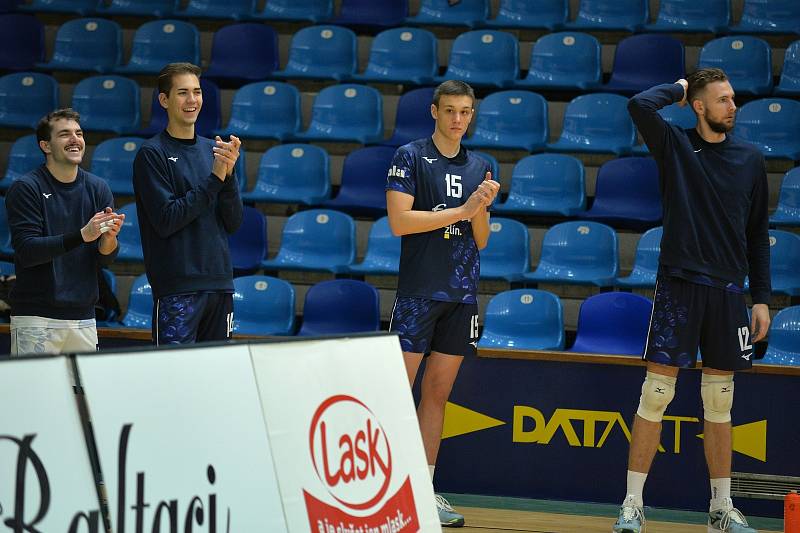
631, 517
728, 519
447, 516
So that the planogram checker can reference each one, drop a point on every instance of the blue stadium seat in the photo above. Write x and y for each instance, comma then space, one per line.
550, 15
597, 123
110, 315
112, 160
363, 186
769, 16
233, 57
745, 59
321, 52
494, 166
208, 121
683, 117
470, 13
21, 41
317, 239
324, 302
784, 252
6, 249
692, 16
565, 60
129, 238
248, 245
788, 210
292, 174
383, 251
784, 338
524, 319
310, 10
402, 55
613, 323
627, 194
107, 103
140, 304
772, 124
511, 120
645, 265
546, 184
507, 255
628, 15
25, 97
369, 14
790, 73
264, 110
87, 44
346, 112
579, 252
413, 120
214, 9
160, 42
148, 8
263, 305
6, 268
642, 61
78, 7
484, 58
25, 155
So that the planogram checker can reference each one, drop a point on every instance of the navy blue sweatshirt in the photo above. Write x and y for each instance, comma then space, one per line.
185, 216
714, 196
56, 271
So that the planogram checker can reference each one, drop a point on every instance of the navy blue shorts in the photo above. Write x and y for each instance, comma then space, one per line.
687, 316
430, 325
195, 317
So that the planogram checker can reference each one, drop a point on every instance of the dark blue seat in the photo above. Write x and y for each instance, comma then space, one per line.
531, 14
524, 319
383, 251
402, 55
484, 58
507, 255
109, 314
372, 15
579, 252
317, 239
129, 238
230, 9
470, 13
310, 10
140, 304
346, 112
148, 8
784, 338
642, 61
113, 161
25, 97
208, 121
6, 249
511, 120
494, 166
772, 124
263, 305
107, 103
321, 52
322, 309
363, 188
645, 265
790, 73
565, 60
745, 59
546, 184
233, 57
21, 41
627, 194
160, 42
264, 110
784, 253
769, 16
690, 16
681, 116
596, 123
292, 174
628, 15
87, 44
788, 210
613, 323
6, 268
25, 155
413, 120
78, 7
248, 245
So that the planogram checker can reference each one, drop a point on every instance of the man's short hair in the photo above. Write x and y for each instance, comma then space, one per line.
453, 88
698, 80
175, 69
44, 129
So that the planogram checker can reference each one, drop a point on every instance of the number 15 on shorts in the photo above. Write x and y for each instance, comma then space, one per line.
473, 327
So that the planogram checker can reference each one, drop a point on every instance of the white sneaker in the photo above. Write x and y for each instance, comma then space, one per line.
728, 519
631, 517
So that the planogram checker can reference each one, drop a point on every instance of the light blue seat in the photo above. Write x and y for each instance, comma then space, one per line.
483, 58
370, 15
208, 120
322, 309
413, 119
613, 323
149, 8
784, 338
248, 245
784, 253
310, 10
692, 16
317, 239
21, 41
470, 13
140, 304
129, 238
546, 184
107, 103
160, 42
683, 117
627, 194
507, 255
788, 210
86, 44
321, 52
511, 120
363, 187
113, 161
790, 73
531, 14
645, 265
383, 251
772, 124
769, 16
292, 174
25, 155
214, 9
642, 61
79, 7
596, 123
578, 252
346, 112
628, 15
6, 250
264, 110
25, 97
565, 60
524, 319
745, 59
233, 57
402, 55
263, 305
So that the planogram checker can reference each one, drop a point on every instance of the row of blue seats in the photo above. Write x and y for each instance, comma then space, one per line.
769, 16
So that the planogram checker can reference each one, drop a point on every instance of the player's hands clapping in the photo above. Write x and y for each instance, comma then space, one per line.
225, 156
105, 222
482, 198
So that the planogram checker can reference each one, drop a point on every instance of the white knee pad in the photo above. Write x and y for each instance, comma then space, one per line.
657, 391
717, 393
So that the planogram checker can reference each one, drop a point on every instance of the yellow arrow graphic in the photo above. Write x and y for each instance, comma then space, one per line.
750, 440
459, 420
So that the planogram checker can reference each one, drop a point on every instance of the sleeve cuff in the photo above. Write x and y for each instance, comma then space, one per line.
72, 240
761, 297
214, 184
677, 92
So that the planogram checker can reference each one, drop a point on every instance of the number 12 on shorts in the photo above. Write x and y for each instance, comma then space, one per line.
744, 338
473, 327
